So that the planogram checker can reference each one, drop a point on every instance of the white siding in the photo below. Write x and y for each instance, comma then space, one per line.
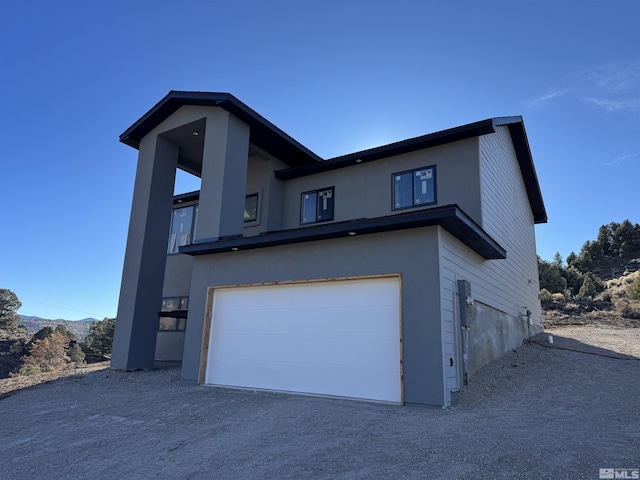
507, 285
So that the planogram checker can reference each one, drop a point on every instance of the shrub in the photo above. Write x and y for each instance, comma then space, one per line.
18, 347
606, 296
588, 288
76, 355
49, 353
628, 308
29, 369
633, 290
545, 296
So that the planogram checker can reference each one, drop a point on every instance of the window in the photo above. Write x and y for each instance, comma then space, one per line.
317, 206
251, 208
173, 314
171, 324
414, 188
182, 227
171, 304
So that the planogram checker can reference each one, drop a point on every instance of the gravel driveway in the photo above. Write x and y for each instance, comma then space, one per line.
538, 412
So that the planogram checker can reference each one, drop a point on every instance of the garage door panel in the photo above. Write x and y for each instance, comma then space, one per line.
318, 379
334, 338
379, 320
347, 351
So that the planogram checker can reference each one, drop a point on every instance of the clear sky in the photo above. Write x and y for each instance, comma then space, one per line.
337, 75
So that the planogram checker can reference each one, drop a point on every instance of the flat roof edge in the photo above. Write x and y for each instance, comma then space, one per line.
450, 217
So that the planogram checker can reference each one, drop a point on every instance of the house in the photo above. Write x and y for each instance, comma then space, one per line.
390, 274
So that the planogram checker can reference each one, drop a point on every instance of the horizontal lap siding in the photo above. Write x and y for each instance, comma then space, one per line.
507, 217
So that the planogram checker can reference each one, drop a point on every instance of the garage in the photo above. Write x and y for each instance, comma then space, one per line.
335, 337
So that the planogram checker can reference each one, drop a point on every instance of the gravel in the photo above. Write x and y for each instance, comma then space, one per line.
541, 411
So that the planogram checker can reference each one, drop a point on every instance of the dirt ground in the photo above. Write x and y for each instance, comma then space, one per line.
543, 411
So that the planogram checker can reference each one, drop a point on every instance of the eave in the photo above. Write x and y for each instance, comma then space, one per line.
263, 133
472, 130
449, 217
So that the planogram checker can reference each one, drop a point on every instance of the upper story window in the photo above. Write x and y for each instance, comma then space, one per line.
251, 208
317, 206
183, 221
414, 188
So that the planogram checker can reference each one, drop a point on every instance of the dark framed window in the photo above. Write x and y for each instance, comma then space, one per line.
171, 304
172, 324
182, 227
173, 314
414, 188
317, 206
251, 208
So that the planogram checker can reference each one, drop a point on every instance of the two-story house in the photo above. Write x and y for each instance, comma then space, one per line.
390, 274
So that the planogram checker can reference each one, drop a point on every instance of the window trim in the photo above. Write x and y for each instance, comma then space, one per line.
316, 192
413, 204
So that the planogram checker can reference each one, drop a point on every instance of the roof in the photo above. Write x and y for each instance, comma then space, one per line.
263, 133
303, 161
484, 127
449, 217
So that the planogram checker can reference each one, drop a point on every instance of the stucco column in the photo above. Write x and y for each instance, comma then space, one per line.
220, 213
143, 274
224, 176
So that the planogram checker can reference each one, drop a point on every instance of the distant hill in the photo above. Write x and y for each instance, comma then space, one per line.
80, 328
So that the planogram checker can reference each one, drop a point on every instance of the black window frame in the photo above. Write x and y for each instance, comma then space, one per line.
412, 172
257, 217
317, 193
194, 219
175, 309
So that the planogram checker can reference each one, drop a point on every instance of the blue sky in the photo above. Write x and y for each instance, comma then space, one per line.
338, 76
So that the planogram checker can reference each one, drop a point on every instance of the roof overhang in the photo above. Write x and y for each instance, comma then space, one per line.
472, 130
263, 133
449, 217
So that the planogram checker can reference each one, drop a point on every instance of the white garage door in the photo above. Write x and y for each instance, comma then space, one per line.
331, 338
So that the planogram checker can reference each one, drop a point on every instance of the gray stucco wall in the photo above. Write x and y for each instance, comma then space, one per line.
177, 277
412, 253
365, 191
261, 180
169, 346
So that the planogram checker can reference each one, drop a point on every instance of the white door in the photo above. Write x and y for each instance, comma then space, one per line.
337, 338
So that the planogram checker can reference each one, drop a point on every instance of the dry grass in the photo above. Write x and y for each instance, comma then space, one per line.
18, 382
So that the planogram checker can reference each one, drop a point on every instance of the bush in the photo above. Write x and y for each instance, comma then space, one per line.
49, 353
18, 347
29, 369
633, 290
588, 288
628, 308
545, 296
76, 355
606, 296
